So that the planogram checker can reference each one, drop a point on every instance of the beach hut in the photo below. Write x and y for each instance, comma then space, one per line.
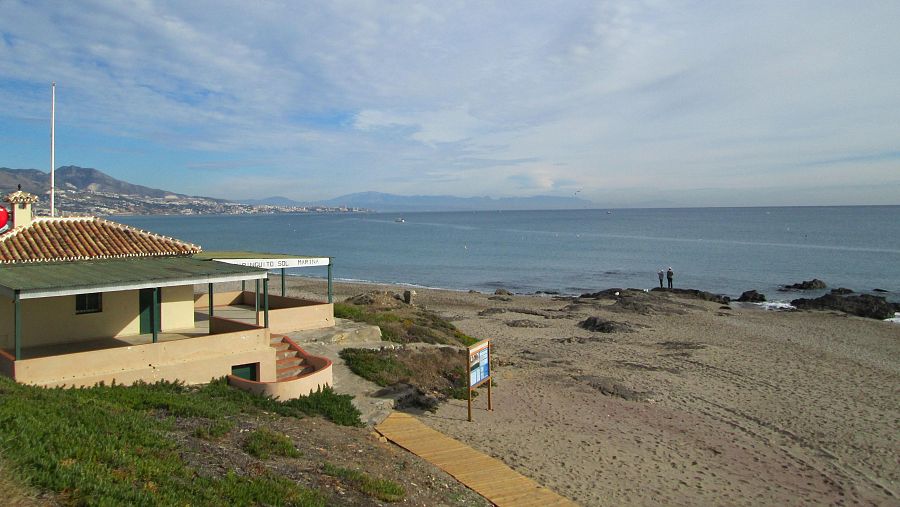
86, 300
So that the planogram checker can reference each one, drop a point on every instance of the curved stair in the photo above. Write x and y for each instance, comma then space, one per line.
290, 362
297, 373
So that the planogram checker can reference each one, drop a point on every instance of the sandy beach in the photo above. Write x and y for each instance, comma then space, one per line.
686, 402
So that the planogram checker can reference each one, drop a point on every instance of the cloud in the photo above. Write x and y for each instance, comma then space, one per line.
472, 98
430, 127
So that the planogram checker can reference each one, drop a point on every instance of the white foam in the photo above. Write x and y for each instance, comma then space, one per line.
776, 306
895, 319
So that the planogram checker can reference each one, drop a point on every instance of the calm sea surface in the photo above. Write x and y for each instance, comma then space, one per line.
723, 250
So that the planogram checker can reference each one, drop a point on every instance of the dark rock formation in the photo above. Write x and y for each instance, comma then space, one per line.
696, 294
862, 305
814, 284
603, 294
879, 290
604, 326
841, 291
751, 296
502, 292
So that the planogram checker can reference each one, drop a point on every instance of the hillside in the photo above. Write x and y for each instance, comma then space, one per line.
75, 178
85, 190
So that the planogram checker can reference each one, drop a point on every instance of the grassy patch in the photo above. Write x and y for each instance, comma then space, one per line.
439, 371
382, 489
373, 365
405, 324
263, 443
214, 430
111, 445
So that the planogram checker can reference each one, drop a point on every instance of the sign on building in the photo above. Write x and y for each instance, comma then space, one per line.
295, 262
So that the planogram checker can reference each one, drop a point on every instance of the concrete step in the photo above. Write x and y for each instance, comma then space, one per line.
288, 361
293, 373
276, 339
280, 346
282, 354
287, 373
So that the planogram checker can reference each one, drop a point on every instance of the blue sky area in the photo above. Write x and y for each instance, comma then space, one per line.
625, 103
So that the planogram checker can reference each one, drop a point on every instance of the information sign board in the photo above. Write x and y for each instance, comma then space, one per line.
479, 363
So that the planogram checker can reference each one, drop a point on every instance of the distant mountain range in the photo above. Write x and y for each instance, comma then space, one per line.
85, 184
408, 203
72, 177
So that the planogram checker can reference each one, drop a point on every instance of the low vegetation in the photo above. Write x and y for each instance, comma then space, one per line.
382, 489
422, 375
113, 445
437, 373
264, 443
214, 430
402, 323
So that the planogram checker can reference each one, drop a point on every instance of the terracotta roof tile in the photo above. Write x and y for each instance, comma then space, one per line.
69, 239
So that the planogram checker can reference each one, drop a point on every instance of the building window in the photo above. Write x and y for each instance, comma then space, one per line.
89, 303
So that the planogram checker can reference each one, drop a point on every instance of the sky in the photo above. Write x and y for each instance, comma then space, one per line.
624, 103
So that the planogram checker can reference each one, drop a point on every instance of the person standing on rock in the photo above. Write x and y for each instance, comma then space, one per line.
660, 274
669, 275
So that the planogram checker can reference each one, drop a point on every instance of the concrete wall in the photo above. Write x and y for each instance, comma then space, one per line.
286, 314
319, 378
177, 307
192, 360
300, 318
51, 321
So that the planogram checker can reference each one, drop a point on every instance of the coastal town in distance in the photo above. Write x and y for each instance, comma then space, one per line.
79, 202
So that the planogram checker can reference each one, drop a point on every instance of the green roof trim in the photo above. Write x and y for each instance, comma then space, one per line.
33, 280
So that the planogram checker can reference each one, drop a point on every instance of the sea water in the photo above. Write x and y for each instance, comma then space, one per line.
721, 250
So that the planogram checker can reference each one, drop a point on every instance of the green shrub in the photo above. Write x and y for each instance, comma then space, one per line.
337, 408
263, 443
374, 366
214, 430
382, 489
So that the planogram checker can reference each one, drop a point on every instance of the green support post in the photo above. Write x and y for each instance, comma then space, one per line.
282, 282
257, 302
330, 284
266, 302
210, 301
243, 285
17, 318
154, 318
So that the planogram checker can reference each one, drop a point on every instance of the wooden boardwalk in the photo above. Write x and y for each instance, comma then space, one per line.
487, 476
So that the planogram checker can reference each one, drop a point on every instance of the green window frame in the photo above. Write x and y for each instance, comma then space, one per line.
89, 303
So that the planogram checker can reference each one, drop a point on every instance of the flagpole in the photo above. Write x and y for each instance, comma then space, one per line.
53, 149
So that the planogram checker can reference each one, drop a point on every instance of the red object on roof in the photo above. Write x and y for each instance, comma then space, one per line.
4, 217
71, 239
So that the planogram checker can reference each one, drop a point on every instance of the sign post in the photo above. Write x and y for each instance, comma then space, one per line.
479, 367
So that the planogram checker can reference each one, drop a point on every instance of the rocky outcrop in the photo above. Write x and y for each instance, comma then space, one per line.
696, 294
814, 284
862, 305
502, 292
606, 294
599, 325
841, 291
751, 296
